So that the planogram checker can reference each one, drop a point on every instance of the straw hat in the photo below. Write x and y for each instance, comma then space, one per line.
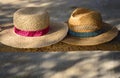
87, 28
33, 29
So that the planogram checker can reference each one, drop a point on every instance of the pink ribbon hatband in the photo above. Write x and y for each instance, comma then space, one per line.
31, 33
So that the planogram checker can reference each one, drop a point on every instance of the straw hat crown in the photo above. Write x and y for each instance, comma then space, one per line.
85, 20
31, 19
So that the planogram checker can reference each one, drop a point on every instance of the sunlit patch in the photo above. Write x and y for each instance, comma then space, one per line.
7, 64
92, 74
22, 73
14, 70
107, 65
30, 67
30, 5
70, 56
8, 1
49, 55
45, 4
48, 64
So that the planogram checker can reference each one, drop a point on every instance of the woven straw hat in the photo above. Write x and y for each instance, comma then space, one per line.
87, 28
33, 29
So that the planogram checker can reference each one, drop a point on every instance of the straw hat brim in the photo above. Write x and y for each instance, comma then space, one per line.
56, 33
110, 33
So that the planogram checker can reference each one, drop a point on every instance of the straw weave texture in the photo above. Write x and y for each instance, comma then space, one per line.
56, 33
84, 20
109, 34
31, 19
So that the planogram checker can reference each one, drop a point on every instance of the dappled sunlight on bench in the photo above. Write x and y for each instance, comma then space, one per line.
60, 65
